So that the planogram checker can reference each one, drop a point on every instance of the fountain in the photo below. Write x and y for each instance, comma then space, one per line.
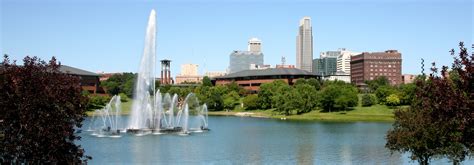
106, 121
152, 112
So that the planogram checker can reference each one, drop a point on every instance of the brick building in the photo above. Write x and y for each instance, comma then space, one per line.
369, 66
89, 80
252, 79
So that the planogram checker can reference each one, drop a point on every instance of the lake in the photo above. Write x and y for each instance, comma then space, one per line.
244, 140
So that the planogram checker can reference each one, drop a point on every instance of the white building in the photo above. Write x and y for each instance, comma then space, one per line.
254, 45
344, 60
304, 45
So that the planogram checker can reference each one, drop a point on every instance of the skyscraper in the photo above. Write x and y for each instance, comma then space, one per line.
304, 45
244, 60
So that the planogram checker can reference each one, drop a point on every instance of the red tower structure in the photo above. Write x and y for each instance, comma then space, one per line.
165, 72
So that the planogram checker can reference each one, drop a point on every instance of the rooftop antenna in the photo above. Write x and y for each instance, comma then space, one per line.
283, 60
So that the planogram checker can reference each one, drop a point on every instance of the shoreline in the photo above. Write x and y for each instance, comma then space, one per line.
375, 113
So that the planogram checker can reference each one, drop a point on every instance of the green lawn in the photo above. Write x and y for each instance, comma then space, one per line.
372, 113
126, 107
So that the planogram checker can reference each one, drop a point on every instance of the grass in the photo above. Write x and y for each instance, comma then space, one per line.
377, 112
126, 107
380, 113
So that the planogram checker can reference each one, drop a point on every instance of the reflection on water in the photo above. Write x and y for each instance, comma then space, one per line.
252, 141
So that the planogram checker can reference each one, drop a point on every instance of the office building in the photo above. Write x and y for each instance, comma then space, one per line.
304, 45
369, 66
326, 64
243, 60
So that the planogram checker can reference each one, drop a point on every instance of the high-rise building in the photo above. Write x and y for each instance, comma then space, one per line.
344, 61
244, 60
304, 45
369, 66
325, 66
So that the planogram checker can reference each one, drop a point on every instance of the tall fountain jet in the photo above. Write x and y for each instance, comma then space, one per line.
145, 85
151, 111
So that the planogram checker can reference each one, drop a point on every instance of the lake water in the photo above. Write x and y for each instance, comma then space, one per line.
240, 140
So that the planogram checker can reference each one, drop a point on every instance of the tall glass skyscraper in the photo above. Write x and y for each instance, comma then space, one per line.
304, 45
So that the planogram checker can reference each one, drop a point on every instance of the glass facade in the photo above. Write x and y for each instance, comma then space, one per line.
241, 60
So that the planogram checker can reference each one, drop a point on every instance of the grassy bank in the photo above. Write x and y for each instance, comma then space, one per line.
372, 113
126, 107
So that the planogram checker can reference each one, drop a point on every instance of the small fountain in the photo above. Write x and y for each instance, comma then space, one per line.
106, 121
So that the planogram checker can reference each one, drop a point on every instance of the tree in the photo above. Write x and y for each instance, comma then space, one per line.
284, 99
120, 83
328, 96
393, 100
41, 108
206, 81
338, 95
347, 98
267, 91
250, 102
440, 121
368, 100
377, 82
407, 93
383, 92
306, 99
230, 100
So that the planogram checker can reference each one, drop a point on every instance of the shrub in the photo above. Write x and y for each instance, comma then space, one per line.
393, 100
250, 102
368, 100
123, 97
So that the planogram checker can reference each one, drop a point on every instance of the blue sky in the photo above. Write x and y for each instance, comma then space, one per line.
109, 35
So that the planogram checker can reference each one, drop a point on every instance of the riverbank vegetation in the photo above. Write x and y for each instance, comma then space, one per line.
440, 121
41, 110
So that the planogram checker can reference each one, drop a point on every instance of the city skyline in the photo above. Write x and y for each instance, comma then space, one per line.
109, 37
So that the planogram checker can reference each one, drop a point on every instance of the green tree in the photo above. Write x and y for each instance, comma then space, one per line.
206, 81
250, 102
284, 99
407, 93
383, 92
377, 82
306, 99
393, 100
347, 98
231, 100
338, 95
267, 91
329, 94
368, 100
41, 110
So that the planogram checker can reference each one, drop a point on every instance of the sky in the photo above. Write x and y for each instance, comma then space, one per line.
108, 35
